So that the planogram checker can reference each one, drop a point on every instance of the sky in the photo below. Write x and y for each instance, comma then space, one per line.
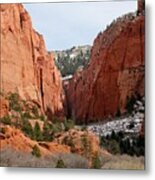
64, 25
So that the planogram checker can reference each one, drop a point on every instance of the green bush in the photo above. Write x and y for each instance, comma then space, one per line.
35, 111
113, 147
60, 164
42, 117
55, 119
25, 115
47, 132
130, 103
2, 130
68, 124
6, 120
103, 141
96, 162
27, 128
36, 151
14, 102
57, 127
111, 142
37, 134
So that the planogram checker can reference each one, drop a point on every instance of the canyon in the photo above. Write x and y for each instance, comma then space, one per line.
38, 105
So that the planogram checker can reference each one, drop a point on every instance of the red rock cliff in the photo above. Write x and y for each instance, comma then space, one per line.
115, 72
26, 66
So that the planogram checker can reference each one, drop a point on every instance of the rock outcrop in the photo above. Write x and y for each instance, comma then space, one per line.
81, 142
26, 66
72, 141
15, 139
114, 74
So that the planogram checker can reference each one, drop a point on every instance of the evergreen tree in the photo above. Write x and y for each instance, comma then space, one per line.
96, 162
113, 135
27, 128
37, 132
113, 147
129, 105
36, 151
60, 164
47, 132
118, 113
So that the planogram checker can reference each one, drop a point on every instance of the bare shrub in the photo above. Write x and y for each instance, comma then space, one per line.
123, 162
73, 160
13, 158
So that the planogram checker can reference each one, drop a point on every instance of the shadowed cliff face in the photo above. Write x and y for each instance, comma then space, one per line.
115, 72
26, 67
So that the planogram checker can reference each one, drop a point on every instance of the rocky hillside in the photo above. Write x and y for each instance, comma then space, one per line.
115, 74
68, 61
24, 130
26, 67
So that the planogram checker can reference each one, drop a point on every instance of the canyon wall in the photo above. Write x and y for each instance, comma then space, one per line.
115, 72
26, 66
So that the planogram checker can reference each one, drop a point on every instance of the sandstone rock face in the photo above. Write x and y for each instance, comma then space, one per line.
81, 142
15, 139
26, 67
4, 107
115, 72
141, 6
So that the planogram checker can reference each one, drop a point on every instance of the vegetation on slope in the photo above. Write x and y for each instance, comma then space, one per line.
22, 114
118, 143
68, 61
26, 116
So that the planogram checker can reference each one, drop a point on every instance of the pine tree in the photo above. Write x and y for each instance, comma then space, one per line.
47, 132
96, 162
37, 132
27, 128
60, 164
36, 151
118, 113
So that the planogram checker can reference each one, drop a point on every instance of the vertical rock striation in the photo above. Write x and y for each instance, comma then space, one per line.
26, 66
114, 74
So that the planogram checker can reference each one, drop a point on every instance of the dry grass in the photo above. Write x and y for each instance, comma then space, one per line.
123, 162
74, 160
12, 158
